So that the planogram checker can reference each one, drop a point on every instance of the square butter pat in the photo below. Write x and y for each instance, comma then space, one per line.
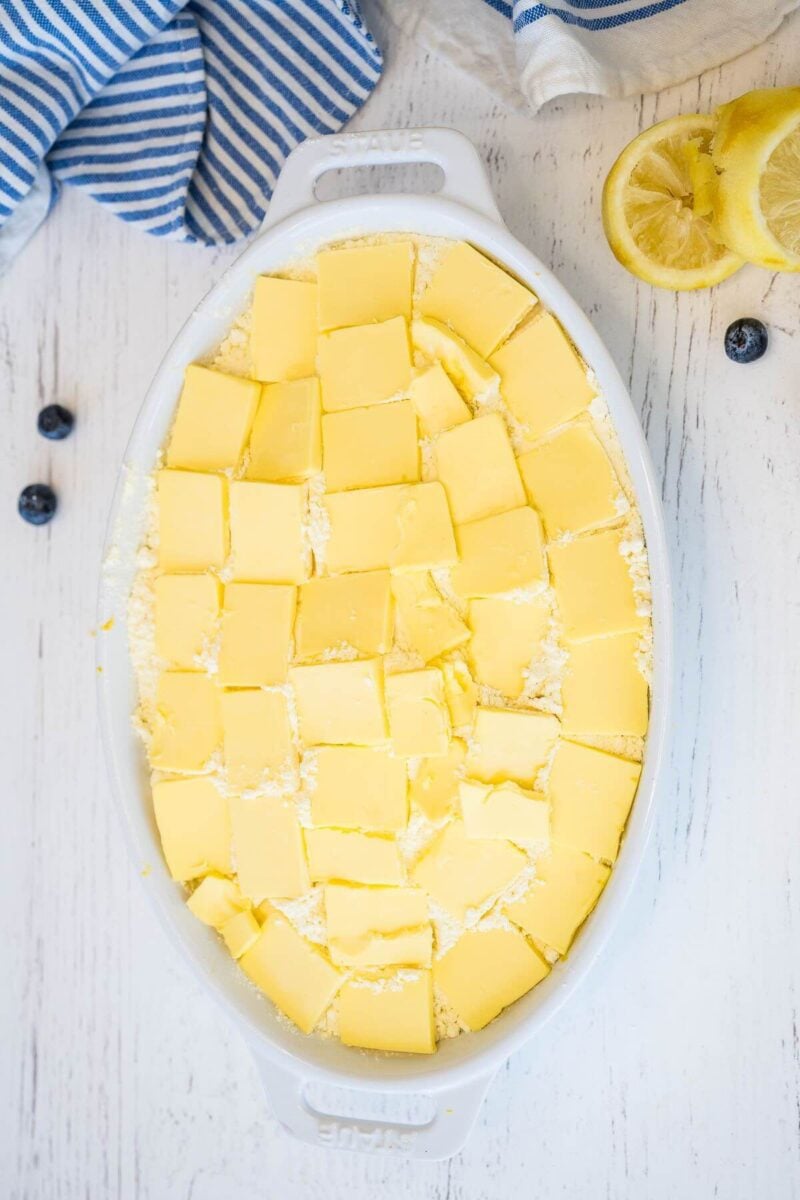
603, 690
360, 284
391, 1013
283, 341
215, 900
434, 787
594, 587
286, 441
427, 624
192, 525
471, 374
403, 948
461, 873
542, 379
268, 543
186, 611
570, 480
368, 447
268, 848
187, 728
297, 977
404, 527
437, 401
475, 463
256, 634
194, 827
257, 738
240, 933
353, 912
567, 886
419, 722
504, 810
359, 788
510, 744
500, 554
485, 971
348, 855
215, 412
591, 794
367, 364
345, 611
506, 638
482, 302
340, 703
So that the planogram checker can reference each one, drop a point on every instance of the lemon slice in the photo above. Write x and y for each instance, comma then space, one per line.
756, 151
657, 207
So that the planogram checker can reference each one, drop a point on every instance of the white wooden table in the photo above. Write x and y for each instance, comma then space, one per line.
676, 1072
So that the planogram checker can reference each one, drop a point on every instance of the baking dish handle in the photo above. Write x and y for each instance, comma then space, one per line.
440, 1137
465, 178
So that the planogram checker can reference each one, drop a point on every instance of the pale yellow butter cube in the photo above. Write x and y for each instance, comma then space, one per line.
366, 364
353, 912
475, 463
591, 794
187, 728
268, 848
427, 624
215, 900
257, 737
603, 690
256, 634
461, 691
340, 703
345, 611
286, 441
461, 873
504, 810
215, 412
194, 827
268, 543
567, 887
594, 587
349, 855
506, 636
192, 526
434, 788
360, 284
186, 611
570, 480
369, 447
296, 976
510, 743
397, 1017
542, 379
359, 788
405, 527
240, 933
471, 374
437, 401
500, 554
403, 948
419, 722
283, 341
485, 971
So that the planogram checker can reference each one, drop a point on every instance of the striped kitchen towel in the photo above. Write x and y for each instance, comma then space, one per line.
175, 115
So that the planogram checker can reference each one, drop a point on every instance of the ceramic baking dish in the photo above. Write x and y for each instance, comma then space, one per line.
456, 1078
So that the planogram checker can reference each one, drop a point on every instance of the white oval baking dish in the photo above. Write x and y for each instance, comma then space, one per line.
457, 1076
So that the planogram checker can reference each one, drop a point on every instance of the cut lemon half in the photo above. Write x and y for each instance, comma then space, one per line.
657, 206
756, 151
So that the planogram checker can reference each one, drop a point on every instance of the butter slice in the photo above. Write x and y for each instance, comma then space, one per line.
268, 848
215, 900
399, 1017
500, 554
461, 692
340, 703
187, 729
215, 412
256, 634
591, 794
268, 543
485, 971
359, 788
461, 873
506, 636
510, 743
476, 464
593, 586
192, 528
296, 976
603, 690
286, 441
570, 480
240, 933
566, 889
471, 374
283, 342
257, 737
402, 526
360, 284
353, 912
405, 948
504, 810
418, 718
366, 364
356, 857
369, 447
345, 611
437, 401
434, 788
186, 611
194, 826
427, 624
542, 379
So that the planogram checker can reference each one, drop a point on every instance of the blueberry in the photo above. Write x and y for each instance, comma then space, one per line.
55, 422
746, 340
37, 503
